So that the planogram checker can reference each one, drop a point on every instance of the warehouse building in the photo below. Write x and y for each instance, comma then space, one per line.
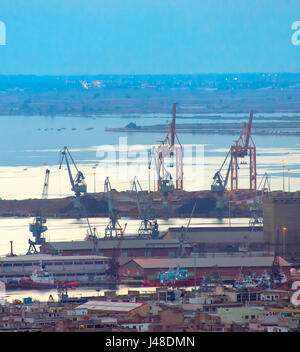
108, 308
220, 239
82, 269
116, 247
228, 267
281, 214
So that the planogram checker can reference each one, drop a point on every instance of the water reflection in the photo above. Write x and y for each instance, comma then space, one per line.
88, 291
17, 229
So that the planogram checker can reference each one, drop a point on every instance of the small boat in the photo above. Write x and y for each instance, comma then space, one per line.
41, 279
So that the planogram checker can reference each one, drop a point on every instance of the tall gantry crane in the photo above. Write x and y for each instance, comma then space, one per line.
78, 184
148, 227
113, 229
244, 146
37, 228
169, 150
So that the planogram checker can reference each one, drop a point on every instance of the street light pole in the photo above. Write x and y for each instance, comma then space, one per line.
229, 215
284, 240
289, 174
94, 167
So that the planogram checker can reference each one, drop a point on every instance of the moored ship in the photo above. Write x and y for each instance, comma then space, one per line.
80, 269
41, 279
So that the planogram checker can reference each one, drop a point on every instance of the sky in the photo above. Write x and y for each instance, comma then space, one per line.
75, 37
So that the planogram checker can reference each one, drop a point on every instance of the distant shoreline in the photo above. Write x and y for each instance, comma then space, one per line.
237, 97
265, 128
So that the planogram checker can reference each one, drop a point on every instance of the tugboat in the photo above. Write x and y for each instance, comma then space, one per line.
178, 277
41, 279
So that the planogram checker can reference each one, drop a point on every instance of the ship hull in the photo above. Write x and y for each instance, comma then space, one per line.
30, 284
178, 283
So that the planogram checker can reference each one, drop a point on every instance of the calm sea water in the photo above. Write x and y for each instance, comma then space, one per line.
29, 145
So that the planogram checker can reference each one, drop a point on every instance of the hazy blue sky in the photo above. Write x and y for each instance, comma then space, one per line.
148, 36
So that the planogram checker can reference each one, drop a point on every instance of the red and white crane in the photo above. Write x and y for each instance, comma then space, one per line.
243, 147
168, 154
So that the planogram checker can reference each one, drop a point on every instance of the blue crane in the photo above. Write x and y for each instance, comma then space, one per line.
78, 184
38, 227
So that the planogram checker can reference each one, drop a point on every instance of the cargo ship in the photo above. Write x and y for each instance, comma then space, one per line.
41, 279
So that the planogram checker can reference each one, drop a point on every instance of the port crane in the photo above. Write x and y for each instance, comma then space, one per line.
148, 227
113, 229
219, 185
78, 184
38, 227
256, 208
181, 251
169, 150
244, 146
276, 275
91, 234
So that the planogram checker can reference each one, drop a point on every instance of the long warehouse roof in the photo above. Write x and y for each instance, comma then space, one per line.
49, 257
111, 306
217, 235
110, 244
243, 262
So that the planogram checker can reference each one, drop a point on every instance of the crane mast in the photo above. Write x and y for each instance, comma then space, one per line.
244, 146
257, 206
241, 149
38, 227
77, 183
113, 229
148, 227
181, 251
219, 186
169, 150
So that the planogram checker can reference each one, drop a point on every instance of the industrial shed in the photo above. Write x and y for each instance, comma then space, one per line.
130, 248
221, 238
229, 267
115, 308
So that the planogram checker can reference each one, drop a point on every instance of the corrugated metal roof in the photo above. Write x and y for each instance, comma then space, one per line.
218, 235
49, 257
149, 263
110, 244
219, 229
111, 306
